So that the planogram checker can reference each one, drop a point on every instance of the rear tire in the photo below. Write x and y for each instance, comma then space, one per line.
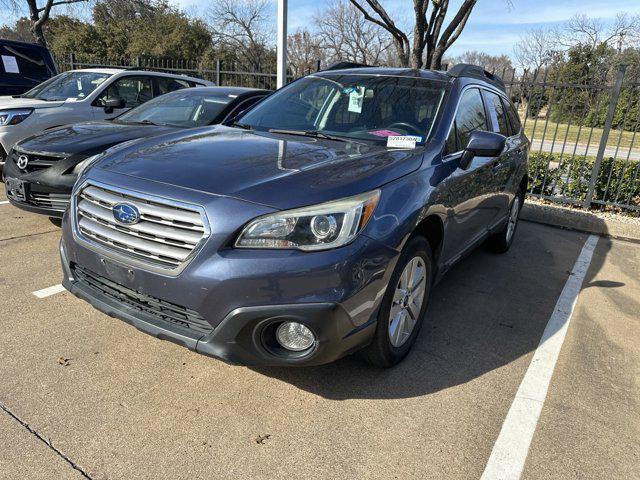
501, 241
403, 306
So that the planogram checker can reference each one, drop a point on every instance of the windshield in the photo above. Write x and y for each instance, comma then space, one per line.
76, 85
362, 107
181, 109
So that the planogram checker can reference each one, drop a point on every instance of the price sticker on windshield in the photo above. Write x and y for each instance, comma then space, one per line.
403, 141
356, 97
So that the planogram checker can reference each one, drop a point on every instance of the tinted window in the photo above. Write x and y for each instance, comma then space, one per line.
68, 85
166, 85
451, 146
29, 61
185, 108
514, 119
245, 105
470, 116
498, 114
133, 90
356, 106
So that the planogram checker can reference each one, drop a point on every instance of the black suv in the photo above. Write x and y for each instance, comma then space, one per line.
23, 66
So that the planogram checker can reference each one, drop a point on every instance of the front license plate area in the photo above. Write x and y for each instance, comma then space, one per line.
16, 189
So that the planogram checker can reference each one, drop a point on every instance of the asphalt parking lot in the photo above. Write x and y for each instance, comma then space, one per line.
87, 396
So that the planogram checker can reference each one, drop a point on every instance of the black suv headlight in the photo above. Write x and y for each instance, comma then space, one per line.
14, 116
318, 227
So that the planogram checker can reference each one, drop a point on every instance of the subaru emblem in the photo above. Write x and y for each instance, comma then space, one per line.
22, 162
126, 213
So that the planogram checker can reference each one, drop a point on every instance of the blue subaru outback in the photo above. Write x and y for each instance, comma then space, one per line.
311, 227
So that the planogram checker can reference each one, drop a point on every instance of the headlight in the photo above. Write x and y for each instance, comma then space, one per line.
82, 166
319, 227
14, 117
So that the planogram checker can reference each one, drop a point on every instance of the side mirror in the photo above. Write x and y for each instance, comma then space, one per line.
113, 102
482, 144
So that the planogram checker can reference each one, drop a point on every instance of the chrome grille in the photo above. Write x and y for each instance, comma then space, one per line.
166, 235
57, 201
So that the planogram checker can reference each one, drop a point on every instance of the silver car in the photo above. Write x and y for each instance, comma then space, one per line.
80, 96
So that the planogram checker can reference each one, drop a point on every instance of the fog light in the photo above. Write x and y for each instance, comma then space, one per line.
295, 336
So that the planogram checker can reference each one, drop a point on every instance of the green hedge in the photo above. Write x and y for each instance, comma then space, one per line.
564, 176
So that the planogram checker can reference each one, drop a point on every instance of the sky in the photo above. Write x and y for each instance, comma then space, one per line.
494, 27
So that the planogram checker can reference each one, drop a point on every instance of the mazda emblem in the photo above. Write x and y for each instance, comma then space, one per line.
22, 162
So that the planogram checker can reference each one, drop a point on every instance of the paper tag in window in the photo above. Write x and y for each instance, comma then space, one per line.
355, 99
403, 141
10, 64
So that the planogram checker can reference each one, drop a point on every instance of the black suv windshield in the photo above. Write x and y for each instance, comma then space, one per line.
182, 109
362, 107
68, 85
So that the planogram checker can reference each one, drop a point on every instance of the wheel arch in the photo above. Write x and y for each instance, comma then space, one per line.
432, 228
524, 183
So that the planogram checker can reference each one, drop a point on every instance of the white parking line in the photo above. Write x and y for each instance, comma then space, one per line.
4, 202
512, 446
47, 292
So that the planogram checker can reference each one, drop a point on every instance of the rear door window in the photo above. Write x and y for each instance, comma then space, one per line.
514, 119
498, 114
134, 90
166, 84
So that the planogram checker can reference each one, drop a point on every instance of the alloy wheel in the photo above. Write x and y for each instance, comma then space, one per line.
407, 301
513, 218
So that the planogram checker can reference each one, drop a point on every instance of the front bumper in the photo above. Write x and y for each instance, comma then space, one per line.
46, 192
334, 293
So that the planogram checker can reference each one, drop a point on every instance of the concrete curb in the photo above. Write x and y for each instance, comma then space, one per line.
581, 221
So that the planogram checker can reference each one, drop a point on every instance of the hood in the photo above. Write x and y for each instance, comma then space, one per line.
10, 102
89, 138
280, 171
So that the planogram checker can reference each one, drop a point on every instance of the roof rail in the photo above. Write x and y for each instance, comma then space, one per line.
345, 65
474, 71
147, 69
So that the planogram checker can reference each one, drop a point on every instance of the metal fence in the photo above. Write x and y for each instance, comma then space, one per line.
218, 71
584, 136
585, 147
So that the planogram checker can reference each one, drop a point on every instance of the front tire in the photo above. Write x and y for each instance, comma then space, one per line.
403, 306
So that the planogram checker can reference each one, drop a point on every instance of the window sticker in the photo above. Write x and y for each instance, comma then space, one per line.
356, 96
403, 141
10, 64
383, 133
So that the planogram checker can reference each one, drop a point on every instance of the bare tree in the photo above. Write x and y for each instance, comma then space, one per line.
20, 31
244, 26
346, 35
592, 32
39, 13
535, 49
498, 64
303, 52
432, 35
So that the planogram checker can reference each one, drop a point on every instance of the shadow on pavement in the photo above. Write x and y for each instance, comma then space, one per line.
488, 311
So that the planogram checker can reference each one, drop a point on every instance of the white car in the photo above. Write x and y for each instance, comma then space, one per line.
80, 96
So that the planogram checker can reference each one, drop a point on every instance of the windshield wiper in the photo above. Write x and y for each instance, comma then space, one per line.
314, 134
243, 126
149, 122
